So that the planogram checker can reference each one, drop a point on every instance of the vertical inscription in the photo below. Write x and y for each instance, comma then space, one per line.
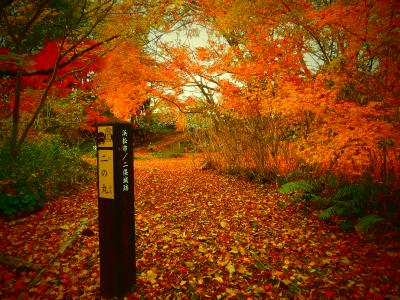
125, 172
106, 174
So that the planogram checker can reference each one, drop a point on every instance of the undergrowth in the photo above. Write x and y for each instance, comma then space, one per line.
45, 166
357, 204
159, 154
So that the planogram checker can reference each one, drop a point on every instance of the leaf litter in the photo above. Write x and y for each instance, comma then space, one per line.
201, 235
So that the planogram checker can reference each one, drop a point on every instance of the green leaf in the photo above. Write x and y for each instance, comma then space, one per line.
327, 213
367, 222
293, 186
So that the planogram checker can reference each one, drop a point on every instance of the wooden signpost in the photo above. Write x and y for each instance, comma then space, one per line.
116, 209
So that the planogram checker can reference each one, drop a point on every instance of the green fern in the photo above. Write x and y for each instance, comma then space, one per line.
360, 194
369, 221
292, 175
327, 213
350, 201
322, 203
343, 193
311, 197
335, 210
332, 181
299, 185
355, 198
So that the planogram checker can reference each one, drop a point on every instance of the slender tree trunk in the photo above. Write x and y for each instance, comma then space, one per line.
39, 108
16, 115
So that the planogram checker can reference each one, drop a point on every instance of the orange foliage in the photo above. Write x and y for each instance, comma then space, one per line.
331, 69
122, 82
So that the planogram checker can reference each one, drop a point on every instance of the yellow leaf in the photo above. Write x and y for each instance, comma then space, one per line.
183, 282
231, 268
350, 283
189, 264
329, 253
200, 280
286, 281
234, 250
151, 275
223, 224
345, 260
218, 278
202, 249
326, 261
243, 270
258, 290
223, 261
231, 292
299, 276
159, 227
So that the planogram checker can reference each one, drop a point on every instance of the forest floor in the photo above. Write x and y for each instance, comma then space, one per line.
199, 235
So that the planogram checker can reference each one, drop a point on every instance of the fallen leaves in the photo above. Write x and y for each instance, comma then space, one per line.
70, 262
230, 238
200, 234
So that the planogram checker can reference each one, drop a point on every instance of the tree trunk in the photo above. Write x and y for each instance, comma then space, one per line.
15, 116
39, 108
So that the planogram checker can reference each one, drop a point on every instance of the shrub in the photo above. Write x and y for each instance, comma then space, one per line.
44, 167
154, 124
255, 148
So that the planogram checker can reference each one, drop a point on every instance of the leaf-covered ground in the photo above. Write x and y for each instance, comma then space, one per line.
199, 235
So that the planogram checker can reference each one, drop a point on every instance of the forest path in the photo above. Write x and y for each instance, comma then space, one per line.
201, 234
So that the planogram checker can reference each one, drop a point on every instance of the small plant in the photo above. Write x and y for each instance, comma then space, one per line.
44, 166
299, 185
369, 221
303, 191
11, 204
353, 202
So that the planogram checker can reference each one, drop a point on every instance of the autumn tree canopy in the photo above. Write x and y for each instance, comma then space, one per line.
51, 47
329, 68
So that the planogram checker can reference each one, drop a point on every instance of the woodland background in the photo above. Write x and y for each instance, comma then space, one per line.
301, 96
277, 91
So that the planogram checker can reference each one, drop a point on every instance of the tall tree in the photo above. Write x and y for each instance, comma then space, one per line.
64, 32
328, 66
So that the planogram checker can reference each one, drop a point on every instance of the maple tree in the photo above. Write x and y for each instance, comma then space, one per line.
328, 67
278, 83
46, 44
145, 76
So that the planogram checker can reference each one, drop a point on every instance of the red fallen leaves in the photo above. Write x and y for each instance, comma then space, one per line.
234, 239
200, 234
38, 238
329, 293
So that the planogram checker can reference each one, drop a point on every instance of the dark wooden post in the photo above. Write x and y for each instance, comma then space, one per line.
116, 209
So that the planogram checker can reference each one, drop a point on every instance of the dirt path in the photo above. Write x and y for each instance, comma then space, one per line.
202, 235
